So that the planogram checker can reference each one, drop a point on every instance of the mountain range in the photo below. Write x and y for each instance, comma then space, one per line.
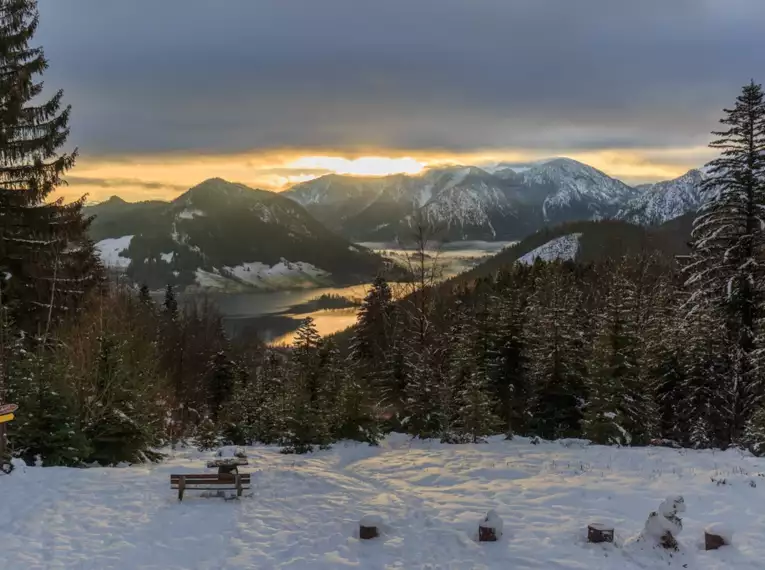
223, 235
501, 203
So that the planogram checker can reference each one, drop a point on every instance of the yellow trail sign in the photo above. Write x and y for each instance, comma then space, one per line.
6, 418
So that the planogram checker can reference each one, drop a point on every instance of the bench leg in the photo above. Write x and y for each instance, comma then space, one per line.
238, 485
181, 488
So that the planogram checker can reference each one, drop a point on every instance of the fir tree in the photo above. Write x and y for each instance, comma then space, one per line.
46, 425
221, 382
557, 354
43, 244
475, 415
170, 304
206, 438
509, 378
307, 422
727, 265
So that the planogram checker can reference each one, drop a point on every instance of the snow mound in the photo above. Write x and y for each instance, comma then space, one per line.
564, 248
109, 251
722, 530
371, 521
493, 521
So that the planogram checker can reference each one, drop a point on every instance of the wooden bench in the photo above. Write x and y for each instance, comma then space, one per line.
210, 482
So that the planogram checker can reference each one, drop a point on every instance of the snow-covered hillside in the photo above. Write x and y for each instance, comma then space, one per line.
109, 251
664, 201
563, 248
303, 511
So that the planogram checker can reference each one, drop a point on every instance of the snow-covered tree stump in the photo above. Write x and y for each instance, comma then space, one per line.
716, 536
369, 527
490, 528
598, 533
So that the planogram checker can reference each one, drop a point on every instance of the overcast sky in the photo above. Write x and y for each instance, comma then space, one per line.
232, 77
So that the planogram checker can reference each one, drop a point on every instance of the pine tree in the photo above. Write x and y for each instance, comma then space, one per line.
46, 425
726, 271
371, 337
170, 304
43, 243
307, 422
509, 378
221, 382
206, 438
475, 416
557, 354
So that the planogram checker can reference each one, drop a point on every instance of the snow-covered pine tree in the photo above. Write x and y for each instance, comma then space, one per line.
726, 270
557, 353
475, 415
666, 349
46, 423
43, 244
220, 384
206, 437
170, 303
306, 423
424, 413
510, 370
371, 340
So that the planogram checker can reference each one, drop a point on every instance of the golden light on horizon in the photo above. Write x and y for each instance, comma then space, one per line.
362, 166
165, 176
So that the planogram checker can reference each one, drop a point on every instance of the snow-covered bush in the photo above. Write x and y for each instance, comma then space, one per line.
664, 524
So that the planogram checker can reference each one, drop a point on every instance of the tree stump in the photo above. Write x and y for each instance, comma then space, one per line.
487, 534
369, 527
490, 528
597, 533
716, 536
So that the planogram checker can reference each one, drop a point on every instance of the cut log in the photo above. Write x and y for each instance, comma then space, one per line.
597, 533
369, 527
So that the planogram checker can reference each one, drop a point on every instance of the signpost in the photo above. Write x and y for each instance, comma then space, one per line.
7, 418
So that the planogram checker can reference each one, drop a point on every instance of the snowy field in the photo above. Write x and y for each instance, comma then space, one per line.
303, 511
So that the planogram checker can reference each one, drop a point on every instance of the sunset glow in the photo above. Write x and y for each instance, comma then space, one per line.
362, 166
165, 176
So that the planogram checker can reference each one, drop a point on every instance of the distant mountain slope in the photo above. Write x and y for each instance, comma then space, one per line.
586, 242
465, 202
227, 236
664, 201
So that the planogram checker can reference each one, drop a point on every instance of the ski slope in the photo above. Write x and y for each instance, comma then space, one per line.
303, 511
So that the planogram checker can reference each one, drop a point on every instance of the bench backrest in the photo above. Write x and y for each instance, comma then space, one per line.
224, 478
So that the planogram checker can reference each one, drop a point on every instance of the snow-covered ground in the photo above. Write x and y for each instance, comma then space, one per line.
564, 248
109, 251
303, 511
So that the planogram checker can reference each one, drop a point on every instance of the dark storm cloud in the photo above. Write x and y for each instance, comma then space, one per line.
219, 76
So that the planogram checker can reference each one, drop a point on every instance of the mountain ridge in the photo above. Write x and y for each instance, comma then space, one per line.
224, 235
492, 203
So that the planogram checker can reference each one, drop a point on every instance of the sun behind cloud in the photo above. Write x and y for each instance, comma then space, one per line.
361, 166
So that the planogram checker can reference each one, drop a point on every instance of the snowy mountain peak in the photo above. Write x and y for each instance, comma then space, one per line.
664, 201
577, 189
